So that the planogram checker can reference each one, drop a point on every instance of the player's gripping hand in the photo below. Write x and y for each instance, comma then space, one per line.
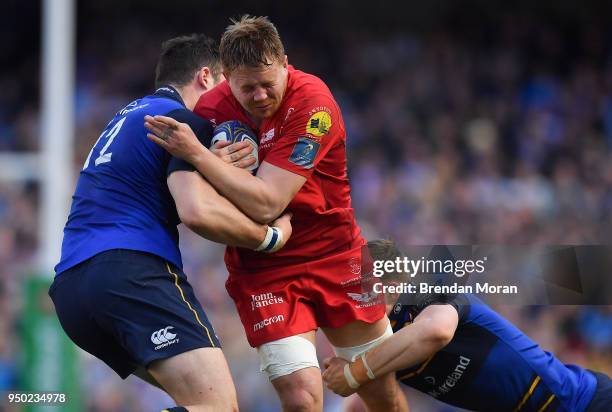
238, 154
284, 223
176, 137
334, 377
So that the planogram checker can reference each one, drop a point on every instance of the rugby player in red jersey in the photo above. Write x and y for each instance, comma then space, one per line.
315, 280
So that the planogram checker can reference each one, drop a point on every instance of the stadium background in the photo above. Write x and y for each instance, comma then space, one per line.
468, 122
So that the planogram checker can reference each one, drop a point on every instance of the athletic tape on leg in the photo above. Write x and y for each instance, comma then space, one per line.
287, 355
352, 352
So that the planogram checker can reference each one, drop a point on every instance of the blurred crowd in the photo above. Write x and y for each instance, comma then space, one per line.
500, 134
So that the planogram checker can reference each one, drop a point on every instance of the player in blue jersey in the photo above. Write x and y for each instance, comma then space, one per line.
119, 291
458, 350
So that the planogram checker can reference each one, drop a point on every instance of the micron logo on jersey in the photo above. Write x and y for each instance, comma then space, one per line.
163, 337
265, 299
267, 322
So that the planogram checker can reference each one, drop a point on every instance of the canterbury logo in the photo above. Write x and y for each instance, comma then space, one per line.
162, 336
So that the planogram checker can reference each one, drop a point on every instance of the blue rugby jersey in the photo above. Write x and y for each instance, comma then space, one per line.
122, 200
490, 365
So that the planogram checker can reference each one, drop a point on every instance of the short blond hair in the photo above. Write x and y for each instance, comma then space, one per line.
251, 42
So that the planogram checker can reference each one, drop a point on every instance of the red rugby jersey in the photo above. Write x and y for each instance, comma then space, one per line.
306, 136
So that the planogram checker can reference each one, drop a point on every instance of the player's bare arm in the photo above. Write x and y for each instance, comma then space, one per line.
431, 331
262, 197
210, 215
203, 210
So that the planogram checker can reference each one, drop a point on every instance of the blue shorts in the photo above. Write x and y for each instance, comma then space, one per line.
129, 308
602, 400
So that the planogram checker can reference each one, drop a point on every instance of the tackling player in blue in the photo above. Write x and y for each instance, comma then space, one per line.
458, 350
119, 291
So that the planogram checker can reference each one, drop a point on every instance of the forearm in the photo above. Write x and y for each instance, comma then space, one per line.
431, 331
406, 348
224, 223
410, 346
261, 198
249, 193
202, 209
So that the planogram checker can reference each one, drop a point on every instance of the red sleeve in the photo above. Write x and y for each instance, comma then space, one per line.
307, 136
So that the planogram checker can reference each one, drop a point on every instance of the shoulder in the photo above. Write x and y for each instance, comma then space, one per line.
414, 304
150, 104
202, 128
304, 85
217, 95
219, 105
313, 103
186, 116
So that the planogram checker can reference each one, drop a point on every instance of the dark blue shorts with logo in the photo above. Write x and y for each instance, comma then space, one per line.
129, 308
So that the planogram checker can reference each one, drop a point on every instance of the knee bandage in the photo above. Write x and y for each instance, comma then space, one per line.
287, 355
352, 352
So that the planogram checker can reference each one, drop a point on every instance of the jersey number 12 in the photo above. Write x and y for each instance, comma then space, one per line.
110, 135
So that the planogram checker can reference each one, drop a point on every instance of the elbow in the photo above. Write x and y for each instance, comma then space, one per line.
195, 217
266, 212
267, 205
266, 216
439, 335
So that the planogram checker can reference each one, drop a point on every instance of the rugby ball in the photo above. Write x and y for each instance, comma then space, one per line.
235, 131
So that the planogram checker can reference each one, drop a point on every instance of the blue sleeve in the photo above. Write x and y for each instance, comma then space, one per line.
459, 301
410, 305
203, 129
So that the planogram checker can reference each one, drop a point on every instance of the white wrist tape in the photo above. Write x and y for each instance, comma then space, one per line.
365, 363
266, 242
272, 242
352, 382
